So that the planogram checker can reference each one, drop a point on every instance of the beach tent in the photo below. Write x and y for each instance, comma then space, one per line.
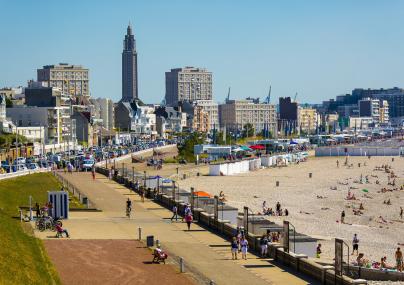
202, 194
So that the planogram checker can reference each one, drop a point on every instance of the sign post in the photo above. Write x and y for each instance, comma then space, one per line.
216, 208
339, 251
245, 220
192, 198
285, 236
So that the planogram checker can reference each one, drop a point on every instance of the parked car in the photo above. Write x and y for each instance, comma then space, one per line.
87, 164
32, 166
20, 160
19, 167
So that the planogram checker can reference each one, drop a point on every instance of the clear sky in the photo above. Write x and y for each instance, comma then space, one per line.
319, 49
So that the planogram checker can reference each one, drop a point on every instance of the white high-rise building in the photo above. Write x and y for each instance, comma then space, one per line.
188, 84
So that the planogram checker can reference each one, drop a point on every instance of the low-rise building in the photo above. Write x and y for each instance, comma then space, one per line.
140, 120
169, 120
360, 123
235, 114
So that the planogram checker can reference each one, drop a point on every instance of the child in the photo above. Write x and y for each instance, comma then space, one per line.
234, 248
318, 250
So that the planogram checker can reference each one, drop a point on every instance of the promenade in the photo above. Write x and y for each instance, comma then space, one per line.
206, 254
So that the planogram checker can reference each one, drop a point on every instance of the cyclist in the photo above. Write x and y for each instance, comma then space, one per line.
128, 207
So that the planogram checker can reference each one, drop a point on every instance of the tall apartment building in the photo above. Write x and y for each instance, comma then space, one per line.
104, 110
212, 109
393, 96
377, 109
309, 120
129, 67
2, 107
71, 79
188, 84
235, 114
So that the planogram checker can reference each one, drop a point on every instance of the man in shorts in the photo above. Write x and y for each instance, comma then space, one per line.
399, 259
355, 244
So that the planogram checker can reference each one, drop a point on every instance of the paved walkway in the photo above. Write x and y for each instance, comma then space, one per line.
203, 251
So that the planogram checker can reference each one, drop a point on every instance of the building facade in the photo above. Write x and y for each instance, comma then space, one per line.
56, 121
188, 84
212, 109
71, 79
360, 123
235, 114
377, 109
104, 110
129, 67
309, 120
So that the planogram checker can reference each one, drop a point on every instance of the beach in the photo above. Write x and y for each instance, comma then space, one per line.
315, 204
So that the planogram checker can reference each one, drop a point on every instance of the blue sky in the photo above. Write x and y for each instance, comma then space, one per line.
316, 48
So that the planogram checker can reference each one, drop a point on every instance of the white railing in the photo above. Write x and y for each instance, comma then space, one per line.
23, 172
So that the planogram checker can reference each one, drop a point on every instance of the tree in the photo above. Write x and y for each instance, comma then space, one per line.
186, 149
248, 130
9, 103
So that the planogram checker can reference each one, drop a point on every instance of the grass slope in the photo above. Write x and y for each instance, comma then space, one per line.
23, 259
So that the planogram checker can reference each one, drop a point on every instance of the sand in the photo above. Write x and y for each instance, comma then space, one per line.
320, 217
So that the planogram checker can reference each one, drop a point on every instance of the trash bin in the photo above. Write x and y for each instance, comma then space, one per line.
150, 241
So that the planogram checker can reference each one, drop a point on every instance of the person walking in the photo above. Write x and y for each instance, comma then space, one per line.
234, 248
175, 213
93, 172
264, 246
187, 209
399, 259
318, 251
355, 244
244, 247
188, 220
37, 210
342, 217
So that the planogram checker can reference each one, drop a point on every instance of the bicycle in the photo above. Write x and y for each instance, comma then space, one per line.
128, 211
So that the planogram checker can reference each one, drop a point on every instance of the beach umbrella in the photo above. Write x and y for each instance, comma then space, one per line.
365, 190
257, 147
245, 148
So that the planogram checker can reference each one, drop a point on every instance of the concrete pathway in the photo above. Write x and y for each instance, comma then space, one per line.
204, 252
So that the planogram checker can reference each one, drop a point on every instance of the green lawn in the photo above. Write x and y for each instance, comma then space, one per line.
23, 259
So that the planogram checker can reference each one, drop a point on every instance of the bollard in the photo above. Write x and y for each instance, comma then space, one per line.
182, 269
140, 233
277, 183
310, 175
